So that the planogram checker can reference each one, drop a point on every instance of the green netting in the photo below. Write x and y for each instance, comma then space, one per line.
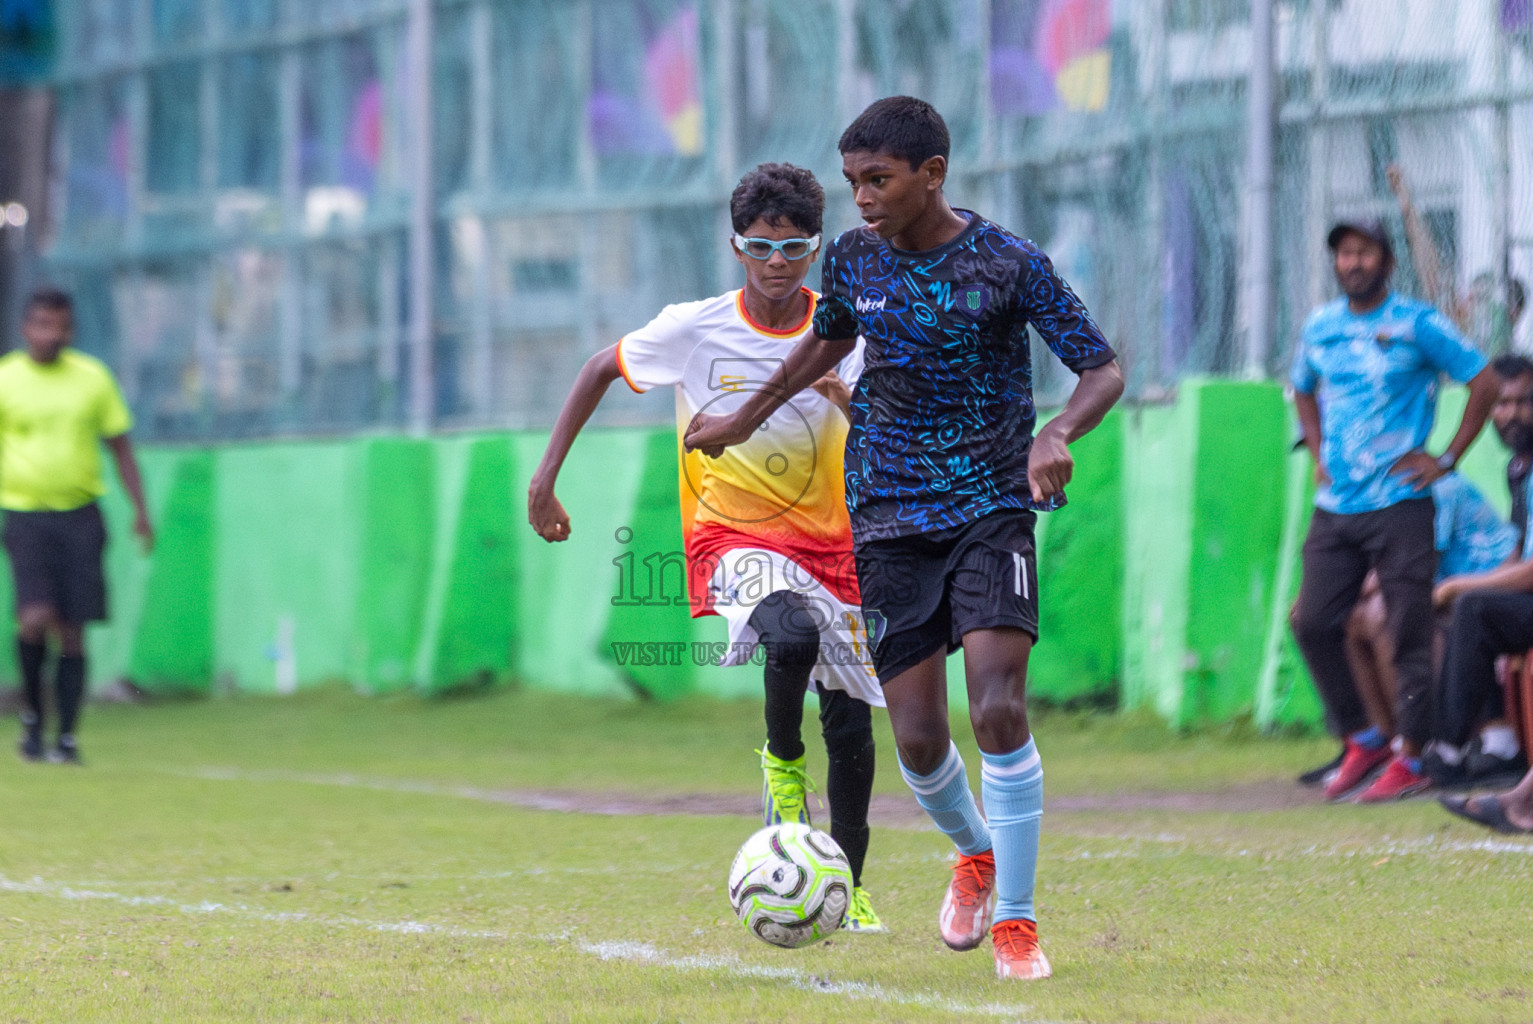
236, 186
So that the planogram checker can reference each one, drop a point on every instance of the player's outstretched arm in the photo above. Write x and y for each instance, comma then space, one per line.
810, 359
127, 471
1423, 248
544, 511
1050, 466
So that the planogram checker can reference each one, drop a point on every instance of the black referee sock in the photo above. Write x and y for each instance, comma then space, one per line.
70, 686
847, 725
30, 656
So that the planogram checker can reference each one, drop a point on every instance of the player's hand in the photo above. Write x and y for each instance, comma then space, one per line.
834, 390
712, 434
1448, 591
1049, 466
144, 531
546, 514
1322, 478
1396, 179
1419, 469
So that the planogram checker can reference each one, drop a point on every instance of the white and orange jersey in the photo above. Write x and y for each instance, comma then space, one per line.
782, 490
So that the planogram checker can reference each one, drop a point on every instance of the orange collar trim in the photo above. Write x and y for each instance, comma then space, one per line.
791, 332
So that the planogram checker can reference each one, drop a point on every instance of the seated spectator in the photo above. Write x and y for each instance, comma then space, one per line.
1492, 616
1473, 742
1470, 538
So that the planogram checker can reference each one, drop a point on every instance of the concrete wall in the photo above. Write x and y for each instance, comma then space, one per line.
396, 563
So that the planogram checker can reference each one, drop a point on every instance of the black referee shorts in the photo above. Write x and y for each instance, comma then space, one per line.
922, 593
56, 561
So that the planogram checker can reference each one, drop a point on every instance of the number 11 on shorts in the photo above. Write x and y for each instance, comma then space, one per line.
1021, 567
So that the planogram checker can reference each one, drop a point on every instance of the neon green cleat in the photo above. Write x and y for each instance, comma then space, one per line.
784, 795
860, 916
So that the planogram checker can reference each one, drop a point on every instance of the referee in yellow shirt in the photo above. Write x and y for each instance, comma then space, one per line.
56, 407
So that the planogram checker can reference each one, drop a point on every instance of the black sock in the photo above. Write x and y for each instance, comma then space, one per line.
847, 725
782, 621
70, 686
30, 656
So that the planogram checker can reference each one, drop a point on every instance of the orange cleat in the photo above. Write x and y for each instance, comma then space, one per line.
1016, 951
969, 901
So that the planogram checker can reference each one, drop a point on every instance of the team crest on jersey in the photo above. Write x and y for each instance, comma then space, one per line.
973, 300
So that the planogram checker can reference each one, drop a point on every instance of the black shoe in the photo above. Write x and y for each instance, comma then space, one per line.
1316, 776
65, 751
1483, 769
31, 746
1443, 774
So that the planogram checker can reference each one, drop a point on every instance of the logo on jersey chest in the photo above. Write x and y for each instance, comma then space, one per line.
970, 300
870, 304
738, 373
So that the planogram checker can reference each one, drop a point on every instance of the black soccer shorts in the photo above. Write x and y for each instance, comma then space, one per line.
56, 561
923, 592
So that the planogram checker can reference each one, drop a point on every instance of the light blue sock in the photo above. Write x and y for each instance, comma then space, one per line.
1012, 785
946, 797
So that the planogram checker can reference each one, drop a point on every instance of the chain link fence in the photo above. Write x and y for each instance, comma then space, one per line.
241, 188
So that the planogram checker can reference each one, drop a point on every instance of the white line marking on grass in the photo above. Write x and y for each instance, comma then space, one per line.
640, 952
37, 887
628, 952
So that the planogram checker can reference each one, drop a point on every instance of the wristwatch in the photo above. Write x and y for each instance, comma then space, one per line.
1446, 461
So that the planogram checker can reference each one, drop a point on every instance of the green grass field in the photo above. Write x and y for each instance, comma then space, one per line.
523, 857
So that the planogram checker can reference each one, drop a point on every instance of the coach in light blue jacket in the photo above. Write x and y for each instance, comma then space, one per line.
1365, 381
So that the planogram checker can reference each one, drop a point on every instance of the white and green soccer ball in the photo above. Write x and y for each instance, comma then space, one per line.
790, 885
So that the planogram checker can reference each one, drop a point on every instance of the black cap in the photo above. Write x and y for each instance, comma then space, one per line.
1372, 230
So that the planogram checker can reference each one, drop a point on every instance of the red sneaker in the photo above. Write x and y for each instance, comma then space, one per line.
1016, 951
968, 902
1397, 782
1357, 763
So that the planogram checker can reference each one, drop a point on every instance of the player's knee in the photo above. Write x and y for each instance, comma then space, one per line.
923, 751
34, 622
999, 720
787, 629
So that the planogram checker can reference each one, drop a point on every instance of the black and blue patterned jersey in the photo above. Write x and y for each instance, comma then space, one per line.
943, 416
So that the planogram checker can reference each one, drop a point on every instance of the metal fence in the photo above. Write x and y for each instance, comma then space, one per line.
318, 216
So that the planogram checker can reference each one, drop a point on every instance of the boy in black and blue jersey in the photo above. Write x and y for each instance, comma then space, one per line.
943, 475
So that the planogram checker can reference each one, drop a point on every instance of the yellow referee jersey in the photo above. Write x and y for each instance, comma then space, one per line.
53, 417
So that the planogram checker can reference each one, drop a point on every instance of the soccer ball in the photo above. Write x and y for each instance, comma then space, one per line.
790, 885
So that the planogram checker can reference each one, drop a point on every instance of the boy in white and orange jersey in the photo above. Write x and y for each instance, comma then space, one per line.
768, 539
